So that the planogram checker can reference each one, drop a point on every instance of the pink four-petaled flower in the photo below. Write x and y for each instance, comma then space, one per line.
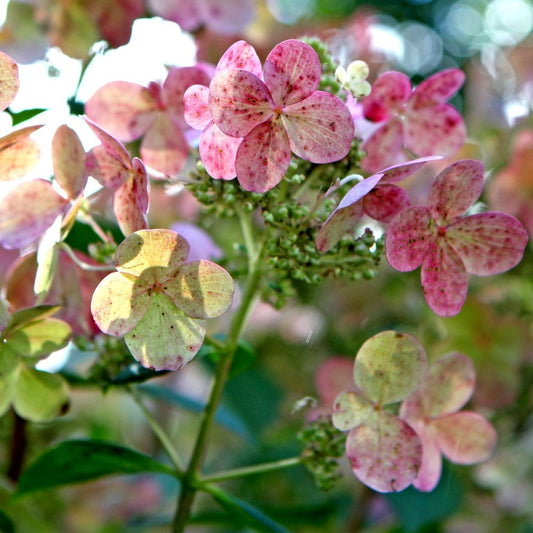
283, 113
420, 120
447, 244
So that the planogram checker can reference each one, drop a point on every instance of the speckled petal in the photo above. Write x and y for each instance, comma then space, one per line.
454, 190
69, 161
320, 128
239, 101
241, 55
384, 147
350, 409
436, 130
437, 88
389, 94
385, 202
488, 243
196, 106
291, 72
218, 152
9, 80
130, 216
444, 279
407, 238
263, 157
106, 168
386, 455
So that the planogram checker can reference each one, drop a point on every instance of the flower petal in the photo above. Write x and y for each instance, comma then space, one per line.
407, 238
437, 88
465, 437
9, 80
106, 168
164, 146
69, 161
444, 279
142, 251
123, 108
449, 384
165, 339
196, 106
384, 147
218, 152
350, 409
434, 130
201, 289
320, 128
240, 55
389, 94
431, 467
130, 203
386, 455
18, 158
401, 171
488, 243
119, 302
239, 101
385, 202
454, 190
263, 157
291, 72
389, 367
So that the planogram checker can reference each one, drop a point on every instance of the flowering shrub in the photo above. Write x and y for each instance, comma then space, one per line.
211, 244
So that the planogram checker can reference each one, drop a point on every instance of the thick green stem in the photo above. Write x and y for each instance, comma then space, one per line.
190, 478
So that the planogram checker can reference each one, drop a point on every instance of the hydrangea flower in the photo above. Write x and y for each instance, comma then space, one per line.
378, 196
384, 451
420, 120
448, 244
129, 111
283, 113
218, 150
463, 438
158, 300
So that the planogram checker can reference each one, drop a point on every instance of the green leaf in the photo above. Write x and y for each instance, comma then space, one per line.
39, 396
31, 314
390, 366
40, 338
76, 461
244, 358
24, 115
250, 514
6, 524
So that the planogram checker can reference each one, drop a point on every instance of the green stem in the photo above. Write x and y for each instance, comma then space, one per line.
251, 470
190, 478
158, 431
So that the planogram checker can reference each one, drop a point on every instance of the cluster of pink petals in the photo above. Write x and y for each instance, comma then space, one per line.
218, 150
448, 244
462, 437
129, 111
284, 113
418, 120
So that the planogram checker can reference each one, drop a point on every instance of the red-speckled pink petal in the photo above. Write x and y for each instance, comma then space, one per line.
178, 80
444, 279
465, 438
408, 238
239, 101
291, 72
196, 107
403, 170
240, 55
385, 202
437, 88
18, 158
389, 94
218, 152
112, 145
69, 161
263, 157
454, 190
320, 128
124, 109
488, 243
164, 147
386, 455
130, 215
105, 168
436, 130
9, 80
384, 147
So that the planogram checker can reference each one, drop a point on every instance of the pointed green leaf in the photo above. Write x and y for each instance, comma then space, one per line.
390, 366
76, 461
39, 396
165, 339
201, 289
40, 338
